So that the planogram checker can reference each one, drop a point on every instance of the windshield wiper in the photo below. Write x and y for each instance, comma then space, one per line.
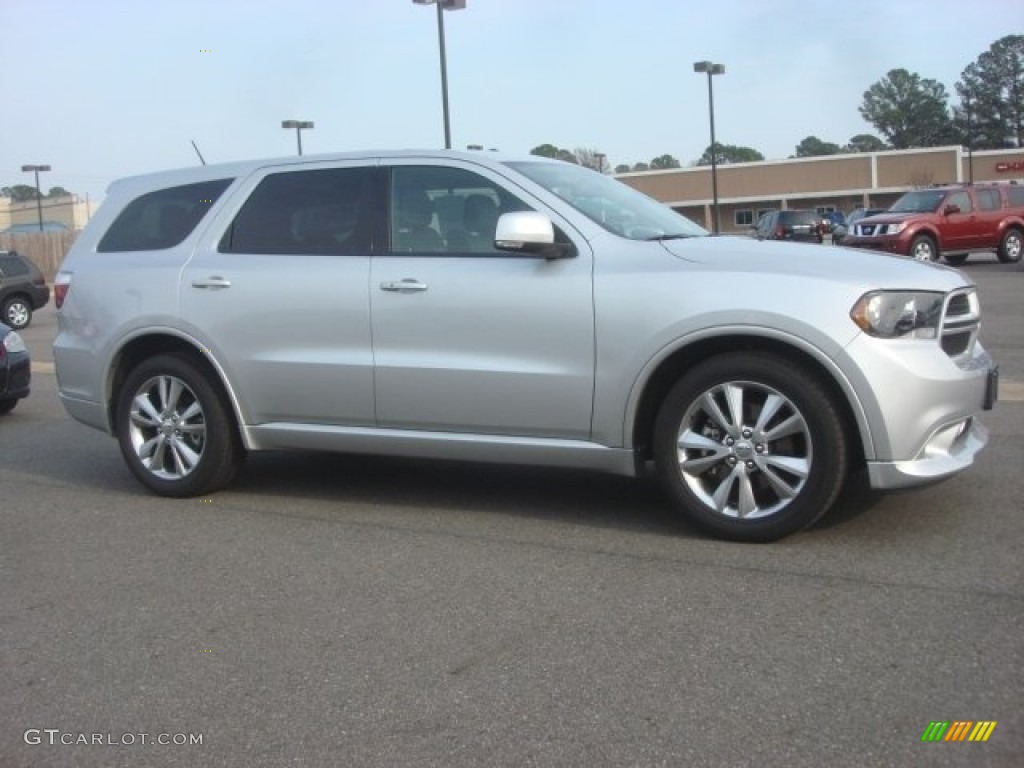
660, 238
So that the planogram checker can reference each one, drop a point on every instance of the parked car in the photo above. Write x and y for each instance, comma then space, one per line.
840, 232
15, 373
592, 327
950, 222
832, 219
23, 289
795, 224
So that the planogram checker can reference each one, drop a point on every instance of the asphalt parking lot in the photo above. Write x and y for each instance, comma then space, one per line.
333, 610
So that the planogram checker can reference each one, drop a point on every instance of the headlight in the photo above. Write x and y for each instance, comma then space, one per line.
894, 229
13, 343
899, 314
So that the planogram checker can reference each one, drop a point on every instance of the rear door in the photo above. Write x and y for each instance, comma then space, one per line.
278, 292
960, 231
468, 338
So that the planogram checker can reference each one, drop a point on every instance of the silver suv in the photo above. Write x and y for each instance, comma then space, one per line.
516, 310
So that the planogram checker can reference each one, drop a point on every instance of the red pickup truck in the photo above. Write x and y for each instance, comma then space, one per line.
951, 221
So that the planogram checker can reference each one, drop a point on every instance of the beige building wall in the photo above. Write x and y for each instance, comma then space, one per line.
838, 182
70, 211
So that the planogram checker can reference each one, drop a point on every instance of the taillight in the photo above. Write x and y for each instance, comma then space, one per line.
780, 231
61, 285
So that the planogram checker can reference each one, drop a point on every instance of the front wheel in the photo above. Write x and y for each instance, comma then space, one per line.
1010, 247
923, 248
175, 429
751, 447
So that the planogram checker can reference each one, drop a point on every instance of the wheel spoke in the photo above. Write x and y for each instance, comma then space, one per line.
156, 458
185, 459
192, 411
772, 404
734, 399
791, 426
746, 503
724, 490
780, 486
710, 407
144, 414
174, 391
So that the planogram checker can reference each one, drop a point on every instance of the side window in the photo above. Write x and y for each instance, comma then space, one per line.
988, 199
12, 266
320, 212
446, 210
743, 217
161, 219
1015, 196
961, 199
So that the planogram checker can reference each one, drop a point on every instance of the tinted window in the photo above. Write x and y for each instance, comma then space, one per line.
799, 217
162, 219
1015, 195
12, 266
446, 210
306, 212
989, 199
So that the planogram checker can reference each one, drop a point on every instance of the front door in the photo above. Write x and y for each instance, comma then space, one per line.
468, 338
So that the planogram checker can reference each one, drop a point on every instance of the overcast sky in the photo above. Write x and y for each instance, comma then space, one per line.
100, 89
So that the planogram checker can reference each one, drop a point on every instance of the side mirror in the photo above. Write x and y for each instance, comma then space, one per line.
529, 232
952, 208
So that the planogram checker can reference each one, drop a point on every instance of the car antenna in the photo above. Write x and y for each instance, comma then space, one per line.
198, 152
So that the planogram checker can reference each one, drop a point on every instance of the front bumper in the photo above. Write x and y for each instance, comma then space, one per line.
883, 244
922, 408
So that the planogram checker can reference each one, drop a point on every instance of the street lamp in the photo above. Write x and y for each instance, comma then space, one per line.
298, 125
712, 69
599, 159
443, 5
970, 140
39, 195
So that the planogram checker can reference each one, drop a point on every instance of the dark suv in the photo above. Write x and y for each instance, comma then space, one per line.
23, 289
797, 225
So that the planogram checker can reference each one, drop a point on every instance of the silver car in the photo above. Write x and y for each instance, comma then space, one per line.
516, 310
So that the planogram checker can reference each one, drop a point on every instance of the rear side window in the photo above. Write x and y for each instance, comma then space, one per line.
1015, 196
12, 266
326, 212
989, 199
162, 219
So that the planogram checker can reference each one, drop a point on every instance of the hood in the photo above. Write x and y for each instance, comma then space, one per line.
869, 269
888, 218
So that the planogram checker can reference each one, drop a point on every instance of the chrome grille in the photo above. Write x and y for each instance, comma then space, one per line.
961, 320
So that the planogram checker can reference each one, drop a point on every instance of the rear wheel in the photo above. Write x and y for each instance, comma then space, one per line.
175, 429
750, 447
1010, 247
956, 259
923, 248
6, 406
17, 312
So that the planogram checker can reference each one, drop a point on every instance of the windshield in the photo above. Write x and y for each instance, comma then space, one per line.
919, 201
616, 207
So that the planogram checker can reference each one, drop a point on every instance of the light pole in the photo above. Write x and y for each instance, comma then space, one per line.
711, 70
298, 125
970, 140
442, 6
39, 195
599, 159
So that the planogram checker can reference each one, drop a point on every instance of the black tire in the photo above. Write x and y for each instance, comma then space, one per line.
6, 406
1011, 246
17, 312
923, 248
751, 489
175, 428
956, 259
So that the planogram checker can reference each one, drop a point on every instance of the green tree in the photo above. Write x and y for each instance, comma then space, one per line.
591, 158
992, 88
909, 111
641, 167
729, 153
622, 168
865, 142
662, 162
58, 192
550, 150
812, 146
19, 193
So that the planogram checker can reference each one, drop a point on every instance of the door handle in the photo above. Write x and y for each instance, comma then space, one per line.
213, 283
408, 285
